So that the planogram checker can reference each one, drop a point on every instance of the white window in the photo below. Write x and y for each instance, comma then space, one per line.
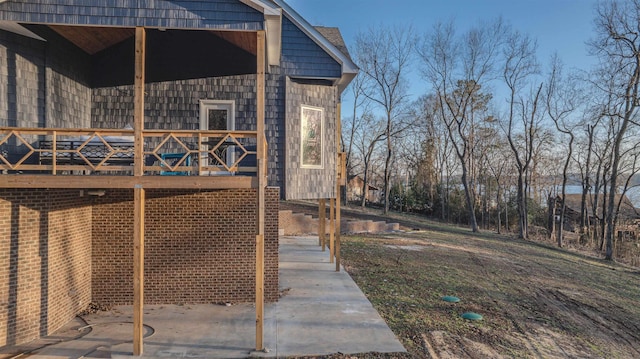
311, 137
217, 115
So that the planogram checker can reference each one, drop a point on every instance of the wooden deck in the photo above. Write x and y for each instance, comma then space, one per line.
105, 158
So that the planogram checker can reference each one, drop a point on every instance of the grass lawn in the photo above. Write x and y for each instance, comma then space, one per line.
537, 301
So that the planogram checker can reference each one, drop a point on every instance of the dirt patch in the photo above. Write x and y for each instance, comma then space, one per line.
407, 247
370, 355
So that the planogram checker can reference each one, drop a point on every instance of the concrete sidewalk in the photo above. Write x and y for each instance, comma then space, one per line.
321, 312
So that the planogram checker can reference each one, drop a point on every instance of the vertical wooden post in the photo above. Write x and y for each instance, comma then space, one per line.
340, 174
138, 269
322, 223
138, 102
54, 159
332, 228
138, 194
337, 244
262, 163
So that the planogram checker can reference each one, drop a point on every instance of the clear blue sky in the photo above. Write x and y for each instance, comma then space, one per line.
561, 26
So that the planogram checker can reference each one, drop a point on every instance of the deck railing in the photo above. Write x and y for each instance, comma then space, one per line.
112, 151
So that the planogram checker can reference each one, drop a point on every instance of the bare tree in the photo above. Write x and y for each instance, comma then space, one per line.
498, 162
446, 164
584, 155
457, 68
617, 44
366, 139
562, 99
384, 56
520, 64
352, 125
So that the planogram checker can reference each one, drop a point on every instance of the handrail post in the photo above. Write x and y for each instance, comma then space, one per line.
54, 153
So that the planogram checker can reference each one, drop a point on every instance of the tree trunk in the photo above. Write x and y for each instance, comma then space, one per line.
522, 208
561, 224
365, 184
498, 210
470, 202
387, 167
551, 220
506, 217
613, 210
586, 185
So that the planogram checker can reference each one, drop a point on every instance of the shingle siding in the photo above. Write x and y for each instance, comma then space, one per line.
310, 183
68, 94
175, 105
302, 57
218, 14
42, 84
22, 81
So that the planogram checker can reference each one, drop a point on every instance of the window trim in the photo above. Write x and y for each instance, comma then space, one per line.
205, 106
229, 105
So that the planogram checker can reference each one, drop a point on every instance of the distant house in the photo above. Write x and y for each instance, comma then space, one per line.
354, 190
144, 148
629, 215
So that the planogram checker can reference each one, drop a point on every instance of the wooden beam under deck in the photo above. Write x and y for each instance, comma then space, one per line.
113, 182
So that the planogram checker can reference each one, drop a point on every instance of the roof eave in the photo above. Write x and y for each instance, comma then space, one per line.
349, 68
272, 26
16, 28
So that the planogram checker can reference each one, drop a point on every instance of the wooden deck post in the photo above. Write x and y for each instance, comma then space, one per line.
332, 228
322, 223
138, 269
138, 102
138, 194
340, 174
262, 183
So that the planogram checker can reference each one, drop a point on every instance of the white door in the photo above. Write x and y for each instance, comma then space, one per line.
217, 115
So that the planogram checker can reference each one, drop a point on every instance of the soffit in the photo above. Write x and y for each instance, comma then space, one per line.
95, 39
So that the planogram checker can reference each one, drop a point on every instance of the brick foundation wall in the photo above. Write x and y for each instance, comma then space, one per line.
199, 246
45, 261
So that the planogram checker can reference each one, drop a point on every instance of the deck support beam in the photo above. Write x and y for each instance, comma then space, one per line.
138, 193
262, 183
332, 228
138, 269
339, 177
322, 223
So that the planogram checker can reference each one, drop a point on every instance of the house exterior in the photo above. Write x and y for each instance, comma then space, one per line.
627, 217
354, 190
144, 146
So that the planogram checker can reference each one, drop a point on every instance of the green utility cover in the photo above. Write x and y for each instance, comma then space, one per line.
472, 316
450, 299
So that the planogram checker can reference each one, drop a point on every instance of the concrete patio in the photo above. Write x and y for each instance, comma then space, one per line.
321, 312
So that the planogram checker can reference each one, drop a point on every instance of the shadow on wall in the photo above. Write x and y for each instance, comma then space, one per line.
46, 239
14, 299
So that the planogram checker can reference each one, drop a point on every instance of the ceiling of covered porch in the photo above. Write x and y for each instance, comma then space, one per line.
95, 39
170, 55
